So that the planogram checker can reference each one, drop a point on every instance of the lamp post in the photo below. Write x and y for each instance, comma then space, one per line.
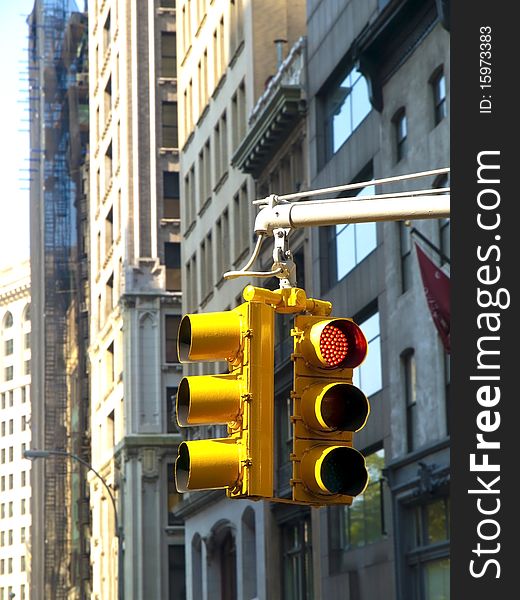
32, 454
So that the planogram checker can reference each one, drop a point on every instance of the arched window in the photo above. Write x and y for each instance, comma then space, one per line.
8, 320
228, 566
222, 560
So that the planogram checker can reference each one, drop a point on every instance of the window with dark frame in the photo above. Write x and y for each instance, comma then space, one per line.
168, 54
297, 579
171, 194
172, 262
410, 395
401, 133
428, 559
170, 126
227, 557
444, 223
8, 320
345, 105
405, 245
284, 439
347, 245
176, 572
369, 375
363, 521
438, 85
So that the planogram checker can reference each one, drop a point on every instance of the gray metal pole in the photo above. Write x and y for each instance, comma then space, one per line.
349, 210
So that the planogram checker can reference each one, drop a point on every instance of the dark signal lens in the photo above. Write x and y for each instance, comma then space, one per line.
333, 345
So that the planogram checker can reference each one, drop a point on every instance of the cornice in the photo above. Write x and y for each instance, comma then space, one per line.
16, 293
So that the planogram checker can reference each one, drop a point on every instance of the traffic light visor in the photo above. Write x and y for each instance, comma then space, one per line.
207, 464
207, 399
209, 336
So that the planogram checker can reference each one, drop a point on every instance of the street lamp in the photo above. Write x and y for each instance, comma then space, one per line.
32, 454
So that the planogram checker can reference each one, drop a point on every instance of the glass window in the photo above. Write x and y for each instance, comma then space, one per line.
222, 249
410, 394
170, 129
368, 376
172, 261
177, 572
405, 244
284, 441
401, 133
354, 241
347, 245
297, 559
444, 224
346, 105
363, 521
8, 320
438, 83
429, 556
171, 195
168, 54
227, 558
8, 347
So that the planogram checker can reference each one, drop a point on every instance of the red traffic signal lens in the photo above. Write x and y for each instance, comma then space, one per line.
341, 344
333, 345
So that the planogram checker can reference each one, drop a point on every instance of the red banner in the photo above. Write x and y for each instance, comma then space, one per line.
437, 289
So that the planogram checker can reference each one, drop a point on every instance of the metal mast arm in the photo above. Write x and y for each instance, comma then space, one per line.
349, 210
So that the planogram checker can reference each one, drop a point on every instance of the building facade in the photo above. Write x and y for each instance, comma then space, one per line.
15, 431
229, 54
372, 101
58, 109
135, 295
378, 85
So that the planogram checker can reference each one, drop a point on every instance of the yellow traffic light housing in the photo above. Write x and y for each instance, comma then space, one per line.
328, 410
242, 463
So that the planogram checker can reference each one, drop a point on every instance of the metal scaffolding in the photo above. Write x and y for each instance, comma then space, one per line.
59, 137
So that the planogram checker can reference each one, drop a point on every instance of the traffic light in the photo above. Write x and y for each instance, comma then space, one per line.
243, 399
328, 409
